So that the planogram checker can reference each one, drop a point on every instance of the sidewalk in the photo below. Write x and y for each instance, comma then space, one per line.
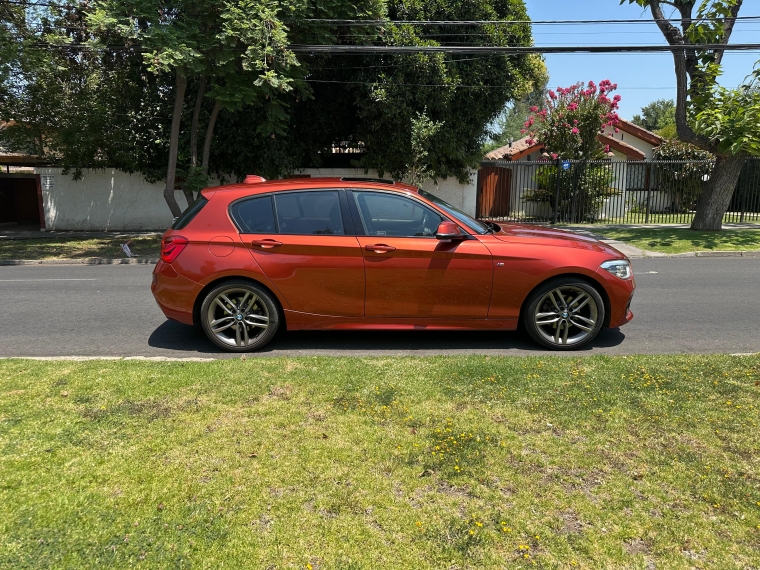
597, 231
5, 234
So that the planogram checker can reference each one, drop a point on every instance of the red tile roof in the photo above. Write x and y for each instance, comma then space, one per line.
639, 132
632, 153
517, 150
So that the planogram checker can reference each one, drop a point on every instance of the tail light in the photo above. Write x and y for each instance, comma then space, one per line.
171, 247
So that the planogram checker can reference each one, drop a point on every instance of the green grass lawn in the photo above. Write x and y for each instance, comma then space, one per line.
340, 463
681, 240
77, 248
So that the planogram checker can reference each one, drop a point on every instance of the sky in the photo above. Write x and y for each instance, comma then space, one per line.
641, 77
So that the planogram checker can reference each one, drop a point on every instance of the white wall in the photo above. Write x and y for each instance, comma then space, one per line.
634, 141
459, 195
116, 201
104, 200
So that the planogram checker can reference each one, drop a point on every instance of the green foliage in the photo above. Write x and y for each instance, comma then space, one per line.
582, 190
668, 132
732, 120
657, 115
510, 123
280, 110
423, 133
683, 178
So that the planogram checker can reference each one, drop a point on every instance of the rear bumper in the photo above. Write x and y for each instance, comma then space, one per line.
174, 293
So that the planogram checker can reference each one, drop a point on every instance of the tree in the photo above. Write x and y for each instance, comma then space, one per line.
511, 121
721, 121
657, 115
568, 128
573, 117
183, 90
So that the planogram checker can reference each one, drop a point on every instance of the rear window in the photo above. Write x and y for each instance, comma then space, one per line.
187, 216
254, 216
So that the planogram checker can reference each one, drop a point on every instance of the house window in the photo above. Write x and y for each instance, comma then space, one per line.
636, 176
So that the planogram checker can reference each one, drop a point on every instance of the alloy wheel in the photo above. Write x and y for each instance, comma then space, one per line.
237, 317
565, 316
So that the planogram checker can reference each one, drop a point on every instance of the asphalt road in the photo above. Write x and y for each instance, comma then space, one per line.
682, 305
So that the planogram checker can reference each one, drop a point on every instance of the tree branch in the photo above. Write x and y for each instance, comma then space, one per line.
685, 67
728, 27
672, 34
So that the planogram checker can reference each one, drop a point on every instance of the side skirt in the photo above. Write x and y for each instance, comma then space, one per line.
307, 321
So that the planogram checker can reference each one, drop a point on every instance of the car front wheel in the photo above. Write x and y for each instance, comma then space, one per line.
239, 316
564, 314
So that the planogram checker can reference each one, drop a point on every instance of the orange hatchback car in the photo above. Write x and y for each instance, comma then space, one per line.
248, 259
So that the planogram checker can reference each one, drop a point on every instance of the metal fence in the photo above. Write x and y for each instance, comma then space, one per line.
607, 192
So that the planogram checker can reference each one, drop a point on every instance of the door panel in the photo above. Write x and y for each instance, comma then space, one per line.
316, 274
314, 265
425, 277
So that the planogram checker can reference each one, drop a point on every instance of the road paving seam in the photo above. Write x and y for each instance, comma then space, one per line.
88, 358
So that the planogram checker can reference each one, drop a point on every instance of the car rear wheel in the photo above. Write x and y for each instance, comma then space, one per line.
239, 316
564, 314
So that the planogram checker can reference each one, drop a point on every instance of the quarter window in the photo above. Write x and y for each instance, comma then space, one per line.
388, 215
309, 213
255, 216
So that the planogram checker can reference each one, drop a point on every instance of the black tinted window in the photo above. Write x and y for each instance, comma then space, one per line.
187, 216
304, 213
388, 215
255, 216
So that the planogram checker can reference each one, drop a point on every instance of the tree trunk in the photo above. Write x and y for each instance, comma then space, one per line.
717, 192
194, 136
171, 170
210, 134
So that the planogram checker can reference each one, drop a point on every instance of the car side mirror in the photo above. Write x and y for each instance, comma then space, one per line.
448, 231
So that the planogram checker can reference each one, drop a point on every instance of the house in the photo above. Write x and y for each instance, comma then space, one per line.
517, 150
501, 185
20, 191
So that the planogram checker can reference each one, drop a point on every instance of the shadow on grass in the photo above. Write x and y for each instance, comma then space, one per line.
172, 335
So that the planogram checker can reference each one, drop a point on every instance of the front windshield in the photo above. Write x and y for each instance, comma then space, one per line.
479, 227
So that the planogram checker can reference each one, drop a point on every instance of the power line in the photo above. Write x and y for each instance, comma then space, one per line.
449, 85
514, 50
458, 49
345, 22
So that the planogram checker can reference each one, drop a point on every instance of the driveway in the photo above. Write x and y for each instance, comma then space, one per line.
689, 305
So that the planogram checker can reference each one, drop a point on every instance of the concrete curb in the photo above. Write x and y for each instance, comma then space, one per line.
83, 261
90, 358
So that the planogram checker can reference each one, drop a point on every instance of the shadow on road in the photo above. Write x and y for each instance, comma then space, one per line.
172, 335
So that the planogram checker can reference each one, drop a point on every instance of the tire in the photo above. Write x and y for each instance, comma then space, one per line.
565, 313
240, 316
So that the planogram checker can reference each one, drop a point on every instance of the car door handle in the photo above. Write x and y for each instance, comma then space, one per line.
266, 243
380, 248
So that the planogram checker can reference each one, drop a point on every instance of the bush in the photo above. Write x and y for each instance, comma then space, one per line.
582, 190
683, 178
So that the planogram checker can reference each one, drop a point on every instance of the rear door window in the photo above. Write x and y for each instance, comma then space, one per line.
309, 213
254, 216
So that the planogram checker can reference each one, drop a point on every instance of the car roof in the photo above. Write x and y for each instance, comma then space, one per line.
240, 189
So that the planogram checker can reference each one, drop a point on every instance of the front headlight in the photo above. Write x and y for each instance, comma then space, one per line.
618, 267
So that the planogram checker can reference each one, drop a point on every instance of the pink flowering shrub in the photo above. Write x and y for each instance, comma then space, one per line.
568, 128
573, 116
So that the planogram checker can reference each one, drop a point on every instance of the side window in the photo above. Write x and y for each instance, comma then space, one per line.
388, 215
308, 213
254, 216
